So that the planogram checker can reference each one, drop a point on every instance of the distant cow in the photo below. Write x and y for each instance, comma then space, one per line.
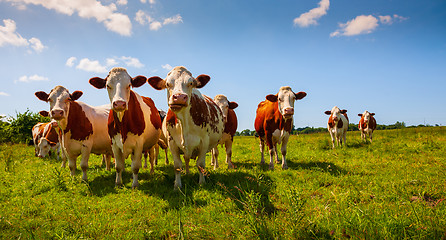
134, 124
230, 121
37, 132
367, 125
194, 122
274, 121
83, 127
337, 125
49, 140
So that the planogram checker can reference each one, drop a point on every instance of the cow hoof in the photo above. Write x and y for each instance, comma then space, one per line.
230, 166
284, 167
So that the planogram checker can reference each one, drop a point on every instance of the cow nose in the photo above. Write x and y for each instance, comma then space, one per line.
289, 111
179, 98
335, 118
119, 105
57, 114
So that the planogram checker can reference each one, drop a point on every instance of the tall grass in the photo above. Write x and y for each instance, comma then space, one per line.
393, 188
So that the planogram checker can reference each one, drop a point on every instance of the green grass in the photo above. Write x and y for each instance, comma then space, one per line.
394, 188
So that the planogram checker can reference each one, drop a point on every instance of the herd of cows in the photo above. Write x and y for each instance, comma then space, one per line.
194, 125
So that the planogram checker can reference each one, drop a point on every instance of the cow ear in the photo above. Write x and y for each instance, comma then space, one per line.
98, 82
42, 96
44, 113
343, 111
157, 83
300, 95
202, 80
271, 98
373, 114
360, 114
76, 95
138, 81
328, 112
233, 105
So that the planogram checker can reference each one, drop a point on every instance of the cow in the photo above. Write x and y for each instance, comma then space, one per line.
83, 127
274, 121
37, 132
134, 124
162, 141
337, 125
230, 121
49, 140
194, 122
367, 125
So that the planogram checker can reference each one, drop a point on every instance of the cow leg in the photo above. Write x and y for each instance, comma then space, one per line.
262, 149
371, 133
72, 164
107, 161
84, 161
57, 152
157, 152
136, 165
215, 157
64, 157
228, 146
201, 164
119, 164
276, 153
146, 154
332, 139
283, 150
186, 162
177, 165
167, 159
345, 138
153, 158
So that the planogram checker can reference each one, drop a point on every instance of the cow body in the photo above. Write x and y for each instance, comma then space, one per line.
337, 125
134, 123
367, 125
83, 127
37, 132
230, 121
49, 140
274, 121
194, 122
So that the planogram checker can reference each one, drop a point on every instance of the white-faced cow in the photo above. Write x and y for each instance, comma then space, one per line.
134, 124
367, 125
194, 122
230, 121
337, 125
83, 127
274, 121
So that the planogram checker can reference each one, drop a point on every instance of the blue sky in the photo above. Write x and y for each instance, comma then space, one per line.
384, 56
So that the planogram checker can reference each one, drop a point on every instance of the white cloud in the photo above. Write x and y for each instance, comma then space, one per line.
91, 66
142, 17
33, 78
364, 24
155, 25
121, 2
70, 61
9, 36
132, 62
150, 1
167, 67
4, 94
111, 62
173, 20
311, 17
360, 25
113, 21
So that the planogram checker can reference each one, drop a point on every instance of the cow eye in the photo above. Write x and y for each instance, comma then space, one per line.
108, 87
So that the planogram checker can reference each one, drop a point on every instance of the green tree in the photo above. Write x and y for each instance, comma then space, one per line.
19, 128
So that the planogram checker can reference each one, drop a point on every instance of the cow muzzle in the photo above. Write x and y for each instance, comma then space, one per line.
57, 114
178, 101
119, 105
288, 112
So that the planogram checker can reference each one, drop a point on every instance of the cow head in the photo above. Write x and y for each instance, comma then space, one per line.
118, 83
366, 116
179, 84
44, 147
223, 103
335, 114
285, 98
59, 99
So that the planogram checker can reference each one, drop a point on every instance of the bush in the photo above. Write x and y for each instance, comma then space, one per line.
19, 129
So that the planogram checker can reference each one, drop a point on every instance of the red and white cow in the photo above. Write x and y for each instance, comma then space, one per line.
37, 131
49, 140
83, 127
230, 121
337, 125
134, 124
194, 122
367, 125
274, 121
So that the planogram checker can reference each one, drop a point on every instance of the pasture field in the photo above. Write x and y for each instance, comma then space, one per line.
394, 188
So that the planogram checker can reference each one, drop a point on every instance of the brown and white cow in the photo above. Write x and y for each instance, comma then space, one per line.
49, 140
83, 127
337, 125
194, 122
37, 132
230, 121
134, 124
367, 125
274, 121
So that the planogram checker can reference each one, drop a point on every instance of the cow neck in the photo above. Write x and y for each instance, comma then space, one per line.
131, 121
76, 122
282, 123
231, 123
51, 135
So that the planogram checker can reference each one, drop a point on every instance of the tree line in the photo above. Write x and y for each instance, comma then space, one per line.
18, 129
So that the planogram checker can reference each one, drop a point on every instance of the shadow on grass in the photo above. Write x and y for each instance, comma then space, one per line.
327, 167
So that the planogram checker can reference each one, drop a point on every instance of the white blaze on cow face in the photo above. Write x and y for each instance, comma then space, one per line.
59, 99
118, 88
286, 98
366, 115
223, 103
